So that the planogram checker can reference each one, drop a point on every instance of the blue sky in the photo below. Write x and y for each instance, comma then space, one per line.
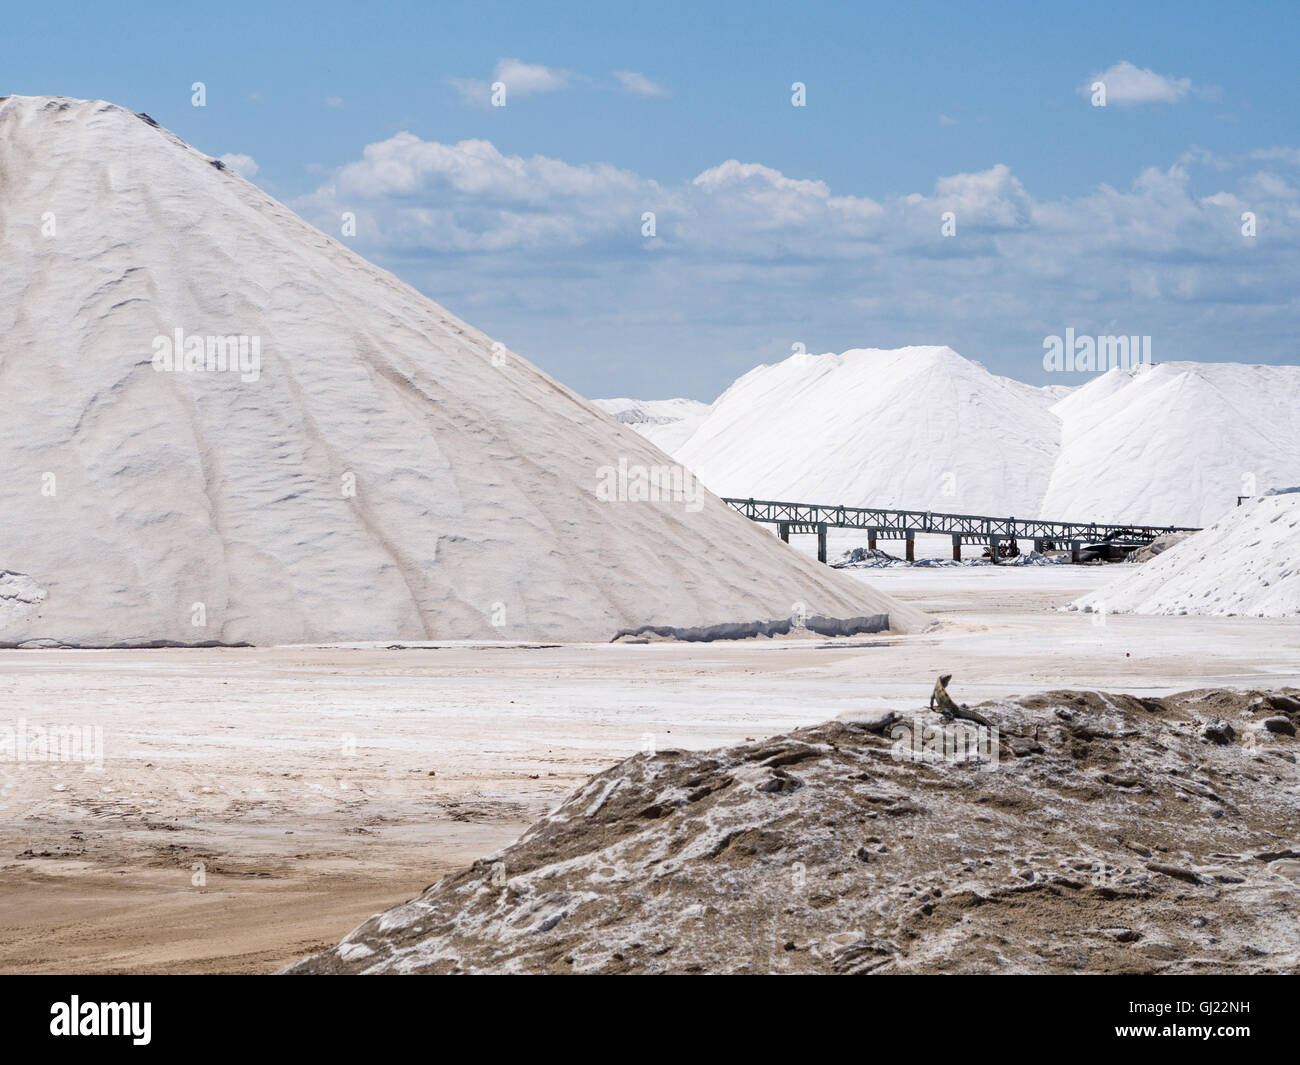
775, 224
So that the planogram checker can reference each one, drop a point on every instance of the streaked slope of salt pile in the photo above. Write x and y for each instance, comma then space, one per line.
475, 482
1248, 563
1175, 443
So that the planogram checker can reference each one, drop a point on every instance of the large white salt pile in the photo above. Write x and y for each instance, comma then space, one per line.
925, 429
917, 427
1174, 443
1247, 564
385, 472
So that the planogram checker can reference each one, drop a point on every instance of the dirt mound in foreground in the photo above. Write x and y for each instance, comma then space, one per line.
1084, 832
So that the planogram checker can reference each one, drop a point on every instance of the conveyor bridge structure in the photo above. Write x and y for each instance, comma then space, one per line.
1000, 535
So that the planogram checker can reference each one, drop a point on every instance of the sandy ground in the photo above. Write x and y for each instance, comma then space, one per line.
255, 805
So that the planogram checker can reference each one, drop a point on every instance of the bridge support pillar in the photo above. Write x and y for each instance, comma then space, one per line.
821, 543
1038, 546
956, 547
911, 546
871, 539
1076, 554
783, 531
993, 548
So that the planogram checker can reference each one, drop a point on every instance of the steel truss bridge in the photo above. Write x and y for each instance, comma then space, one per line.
963, 528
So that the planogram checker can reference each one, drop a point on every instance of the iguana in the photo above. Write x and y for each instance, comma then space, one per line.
940, 700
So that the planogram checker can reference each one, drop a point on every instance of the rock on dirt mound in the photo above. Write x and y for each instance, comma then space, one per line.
1158, 546
1085, 832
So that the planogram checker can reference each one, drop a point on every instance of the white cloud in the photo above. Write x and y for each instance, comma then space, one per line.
469, 196
1291, 156
405, 165
243, 165
472, 91
1128, 85
333, 101
1267, 186
519, 78
756, 209
1203, 157
639, 84
553, 251
988, 198
523, 78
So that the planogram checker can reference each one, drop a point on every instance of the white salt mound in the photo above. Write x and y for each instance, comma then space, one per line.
1174, 444
666, 423
194, 507
923, 428
1246, 564
917, 427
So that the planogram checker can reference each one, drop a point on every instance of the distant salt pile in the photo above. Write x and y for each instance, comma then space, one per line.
923, 428
666, 423
918, 427
1170, 444
219, 425
1247, 564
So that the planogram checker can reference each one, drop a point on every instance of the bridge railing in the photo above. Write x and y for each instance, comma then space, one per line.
884, 521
